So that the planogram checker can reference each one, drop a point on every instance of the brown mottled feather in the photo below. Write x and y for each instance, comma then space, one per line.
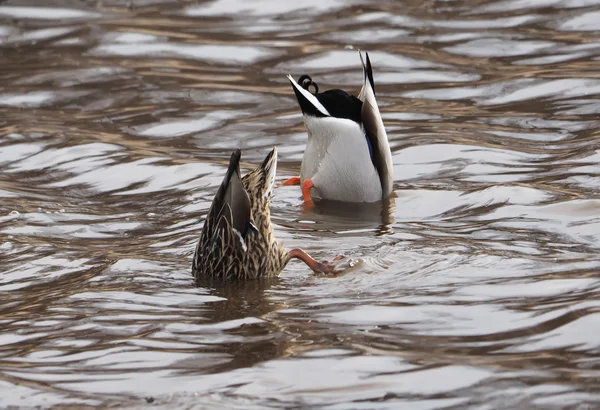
237, 240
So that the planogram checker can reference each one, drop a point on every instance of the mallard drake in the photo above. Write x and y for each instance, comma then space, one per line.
348, 156
237, 239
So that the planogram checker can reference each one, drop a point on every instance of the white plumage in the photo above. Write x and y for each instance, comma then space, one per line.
337, 158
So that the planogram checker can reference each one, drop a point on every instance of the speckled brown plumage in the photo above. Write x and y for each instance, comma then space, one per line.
237, 239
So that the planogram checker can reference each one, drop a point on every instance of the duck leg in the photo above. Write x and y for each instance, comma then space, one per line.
291, 181
319, 267
307, 185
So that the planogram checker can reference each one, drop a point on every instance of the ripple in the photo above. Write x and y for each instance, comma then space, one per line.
182, 127
76, 77
343, 59
32, 99
46, 13
370, 36
78, 157
263, 7
583, 22
35, 35
231, 54
493, 47
477, 285
124, 177
513, 91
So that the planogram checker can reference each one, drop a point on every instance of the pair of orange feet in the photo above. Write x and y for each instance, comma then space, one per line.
306, 187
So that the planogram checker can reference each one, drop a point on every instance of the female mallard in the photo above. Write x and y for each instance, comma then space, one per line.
237, 239
348, 156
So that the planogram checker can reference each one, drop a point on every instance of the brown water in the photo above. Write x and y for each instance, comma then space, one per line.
480, 292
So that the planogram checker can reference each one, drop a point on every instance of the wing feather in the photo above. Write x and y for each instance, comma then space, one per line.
375, 130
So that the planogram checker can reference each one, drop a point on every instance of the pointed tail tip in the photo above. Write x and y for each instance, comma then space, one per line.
235, 157
366, 61
269, 166
273, 152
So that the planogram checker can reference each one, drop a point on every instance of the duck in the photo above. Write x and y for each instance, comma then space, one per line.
347, 156
237, 240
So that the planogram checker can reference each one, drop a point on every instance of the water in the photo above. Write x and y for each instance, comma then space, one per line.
478, 290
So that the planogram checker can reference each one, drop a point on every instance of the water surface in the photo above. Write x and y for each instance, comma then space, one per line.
479, 287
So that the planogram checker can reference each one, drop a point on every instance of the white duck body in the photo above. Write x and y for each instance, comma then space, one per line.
347, 156
338, 162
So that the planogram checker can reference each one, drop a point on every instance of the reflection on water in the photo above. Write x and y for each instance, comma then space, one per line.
479, 287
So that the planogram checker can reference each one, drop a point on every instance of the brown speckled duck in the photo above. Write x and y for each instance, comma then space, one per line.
237, 240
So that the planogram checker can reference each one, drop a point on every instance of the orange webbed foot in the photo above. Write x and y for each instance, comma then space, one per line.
307, 185
291, 181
